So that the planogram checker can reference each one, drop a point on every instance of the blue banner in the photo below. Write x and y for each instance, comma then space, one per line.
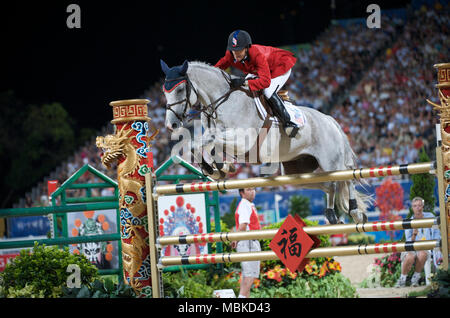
266, 200
28, 225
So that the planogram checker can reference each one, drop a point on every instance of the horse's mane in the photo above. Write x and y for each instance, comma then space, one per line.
207, 66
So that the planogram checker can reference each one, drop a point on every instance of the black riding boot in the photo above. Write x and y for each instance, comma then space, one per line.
280, 111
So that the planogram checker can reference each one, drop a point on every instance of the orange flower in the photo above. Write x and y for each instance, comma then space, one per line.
270, 274
331, 266
257, 282
292, 275
323, 271
308, 268
278, 277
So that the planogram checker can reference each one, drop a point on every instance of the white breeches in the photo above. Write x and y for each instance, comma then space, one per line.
276, 83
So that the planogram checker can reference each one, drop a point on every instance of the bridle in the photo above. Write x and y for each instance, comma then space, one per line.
186, 100
209, 110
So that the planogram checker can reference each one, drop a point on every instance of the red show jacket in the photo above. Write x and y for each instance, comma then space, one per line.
264, 61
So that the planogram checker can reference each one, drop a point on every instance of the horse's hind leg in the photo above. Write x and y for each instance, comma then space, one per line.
330, 214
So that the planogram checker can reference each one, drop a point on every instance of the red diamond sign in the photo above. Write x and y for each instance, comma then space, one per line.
313, 237
291, 244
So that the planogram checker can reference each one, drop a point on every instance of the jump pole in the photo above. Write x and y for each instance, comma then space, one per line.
317, 252
310, 230
296, 179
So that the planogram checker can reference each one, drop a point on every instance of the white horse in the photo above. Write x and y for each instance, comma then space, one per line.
232, 124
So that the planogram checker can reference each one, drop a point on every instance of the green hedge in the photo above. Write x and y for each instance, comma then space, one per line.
42, 272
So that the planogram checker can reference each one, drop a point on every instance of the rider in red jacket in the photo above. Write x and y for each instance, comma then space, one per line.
272, 66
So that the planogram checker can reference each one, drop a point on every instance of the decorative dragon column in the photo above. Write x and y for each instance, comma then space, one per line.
129, 149
443, 155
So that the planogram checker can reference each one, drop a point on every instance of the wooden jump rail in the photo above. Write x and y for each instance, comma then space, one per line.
310, 230
297, 179
317, 252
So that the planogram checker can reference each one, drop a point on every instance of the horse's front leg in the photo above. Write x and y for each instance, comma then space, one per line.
204, 153
198, 147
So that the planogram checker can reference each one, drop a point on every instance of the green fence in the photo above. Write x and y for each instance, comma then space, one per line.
63, 203
67, 204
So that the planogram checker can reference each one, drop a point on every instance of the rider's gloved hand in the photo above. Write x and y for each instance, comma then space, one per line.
237, 82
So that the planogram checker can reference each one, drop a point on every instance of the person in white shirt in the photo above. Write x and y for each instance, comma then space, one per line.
246, 218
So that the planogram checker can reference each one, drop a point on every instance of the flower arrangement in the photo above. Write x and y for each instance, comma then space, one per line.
385, 271
283, 276
329, 266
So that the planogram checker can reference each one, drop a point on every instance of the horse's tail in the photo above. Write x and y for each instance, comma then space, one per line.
342, 198
363, 201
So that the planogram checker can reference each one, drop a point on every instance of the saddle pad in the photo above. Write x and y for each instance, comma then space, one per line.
294, 112
297, 116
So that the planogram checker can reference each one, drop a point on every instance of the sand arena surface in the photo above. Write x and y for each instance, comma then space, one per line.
356, 269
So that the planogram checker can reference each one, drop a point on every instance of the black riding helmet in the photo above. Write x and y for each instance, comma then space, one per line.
239, 40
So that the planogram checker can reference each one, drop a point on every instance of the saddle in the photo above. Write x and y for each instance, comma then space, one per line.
268, 117
284, 95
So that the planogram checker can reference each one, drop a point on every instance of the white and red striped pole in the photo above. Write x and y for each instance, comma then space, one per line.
317, 252
297, 179
310, 230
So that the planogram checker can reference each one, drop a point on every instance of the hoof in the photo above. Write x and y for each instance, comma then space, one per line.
218, 175
225, 167
231, 168
207, 170
331, 216
358, 216
228, 168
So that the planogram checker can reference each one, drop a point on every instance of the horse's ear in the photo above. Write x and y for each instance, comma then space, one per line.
164, 67
184, 68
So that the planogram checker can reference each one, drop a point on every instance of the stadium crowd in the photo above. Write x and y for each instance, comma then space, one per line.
386, 115
374, 82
